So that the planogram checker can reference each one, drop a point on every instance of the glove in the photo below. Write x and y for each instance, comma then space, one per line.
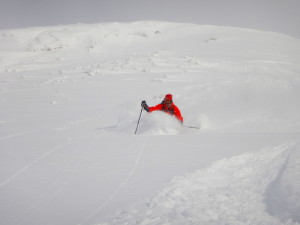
145, 106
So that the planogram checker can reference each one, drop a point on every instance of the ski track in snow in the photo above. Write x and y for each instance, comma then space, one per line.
56, 187
123, 184
74, 123
49, 194
17, 134
34, 162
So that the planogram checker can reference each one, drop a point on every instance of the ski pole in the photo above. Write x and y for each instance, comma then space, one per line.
138, 120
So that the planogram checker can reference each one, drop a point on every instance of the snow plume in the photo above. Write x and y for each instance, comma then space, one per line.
231, 191
155, 123
159, 123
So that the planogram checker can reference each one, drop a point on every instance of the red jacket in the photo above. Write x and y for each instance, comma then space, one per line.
173, 110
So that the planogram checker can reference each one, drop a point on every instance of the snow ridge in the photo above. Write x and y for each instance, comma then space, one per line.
231, 191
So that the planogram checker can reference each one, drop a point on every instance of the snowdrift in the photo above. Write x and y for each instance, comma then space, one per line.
231, 191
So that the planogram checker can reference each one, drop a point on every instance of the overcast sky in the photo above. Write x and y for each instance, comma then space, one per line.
273, 15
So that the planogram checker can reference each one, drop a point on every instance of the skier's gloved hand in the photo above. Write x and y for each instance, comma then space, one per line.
143, 103
145, 106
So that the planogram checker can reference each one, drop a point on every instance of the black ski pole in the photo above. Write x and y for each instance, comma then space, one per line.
138, 120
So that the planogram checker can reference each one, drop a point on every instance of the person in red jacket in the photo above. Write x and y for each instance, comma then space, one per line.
166, 106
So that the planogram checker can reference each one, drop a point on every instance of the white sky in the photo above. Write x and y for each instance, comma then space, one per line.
274, 15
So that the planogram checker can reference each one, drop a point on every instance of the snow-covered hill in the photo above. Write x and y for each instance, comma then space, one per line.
70, 101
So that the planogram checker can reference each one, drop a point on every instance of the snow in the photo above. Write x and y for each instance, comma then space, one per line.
233, 189
70, 102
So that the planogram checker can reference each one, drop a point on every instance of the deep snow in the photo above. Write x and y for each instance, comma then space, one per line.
70, 100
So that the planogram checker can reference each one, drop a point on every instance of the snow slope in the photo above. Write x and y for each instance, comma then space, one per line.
231, 191
70, 100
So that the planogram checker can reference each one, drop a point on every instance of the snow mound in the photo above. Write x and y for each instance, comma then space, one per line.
47, 41
231, 191
90, 36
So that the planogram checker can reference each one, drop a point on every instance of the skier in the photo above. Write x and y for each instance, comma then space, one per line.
166, 106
